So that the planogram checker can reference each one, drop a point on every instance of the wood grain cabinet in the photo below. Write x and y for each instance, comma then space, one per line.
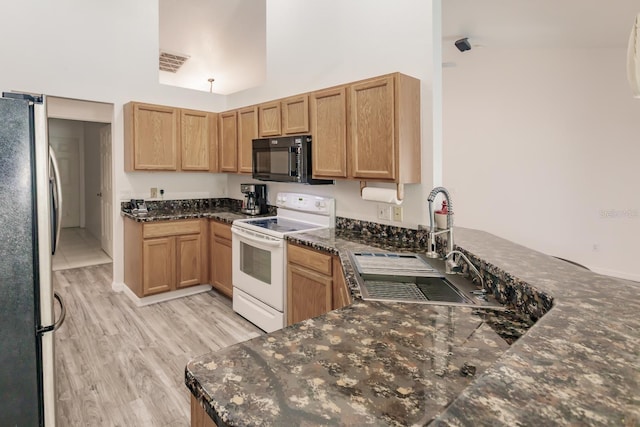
247, 132
228, 142
198, 140
328, 117
199, 417
269, 120
384, 129
164, 256
295, 114
220, 257
152, 137
160, 138
315, 284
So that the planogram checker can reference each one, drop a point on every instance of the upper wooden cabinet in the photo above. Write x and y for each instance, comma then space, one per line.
295, 114
151, 137
197, 140
169, 139
228, 142
328, 116
269, 122
384, 129
247, 132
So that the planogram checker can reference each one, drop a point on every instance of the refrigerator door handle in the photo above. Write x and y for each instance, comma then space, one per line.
57, 200
63, 313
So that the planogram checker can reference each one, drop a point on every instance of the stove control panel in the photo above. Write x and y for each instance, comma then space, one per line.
306, 203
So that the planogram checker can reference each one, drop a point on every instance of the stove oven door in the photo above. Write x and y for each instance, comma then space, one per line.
258, 262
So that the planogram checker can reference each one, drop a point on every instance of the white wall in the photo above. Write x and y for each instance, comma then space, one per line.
541, 146
103, 51
312, 45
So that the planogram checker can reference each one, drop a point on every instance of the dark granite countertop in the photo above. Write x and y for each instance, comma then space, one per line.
222, 209
402, 364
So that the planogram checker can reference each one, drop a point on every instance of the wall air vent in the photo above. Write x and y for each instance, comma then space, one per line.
172, 62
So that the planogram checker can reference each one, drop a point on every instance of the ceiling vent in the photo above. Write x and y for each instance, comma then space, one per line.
172, 62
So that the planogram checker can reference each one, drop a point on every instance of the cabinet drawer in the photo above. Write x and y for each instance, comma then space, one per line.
221, 230
310, 259
170, 228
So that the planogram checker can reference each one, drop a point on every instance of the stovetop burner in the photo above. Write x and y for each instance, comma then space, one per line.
281, 225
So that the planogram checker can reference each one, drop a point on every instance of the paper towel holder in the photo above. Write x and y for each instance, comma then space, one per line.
399, 189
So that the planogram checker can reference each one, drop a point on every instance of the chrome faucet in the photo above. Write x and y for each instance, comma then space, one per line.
452, 266
431, 238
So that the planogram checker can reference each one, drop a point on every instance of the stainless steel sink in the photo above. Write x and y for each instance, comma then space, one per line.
409, 277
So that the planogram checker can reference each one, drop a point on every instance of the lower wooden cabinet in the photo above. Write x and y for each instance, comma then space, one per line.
199, 417
220, 257
164, 256
315, 283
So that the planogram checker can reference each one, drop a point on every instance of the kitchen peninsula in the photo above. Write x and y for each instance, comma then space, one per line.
401, 364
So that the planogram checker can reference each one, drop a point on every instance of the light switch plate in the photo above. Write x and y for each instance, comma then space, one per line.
153, 193
383, 212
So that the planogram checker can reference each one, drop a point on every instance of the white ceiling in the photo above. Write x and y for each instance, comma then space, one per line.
225, 40
538, 23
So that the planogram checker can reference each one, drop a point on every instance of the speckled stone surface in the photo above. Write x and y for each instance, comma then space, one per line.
370, 363
223, 209
578, 365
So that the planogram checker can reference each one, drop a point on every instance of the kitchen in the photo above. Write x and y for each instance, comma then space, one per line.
560, 200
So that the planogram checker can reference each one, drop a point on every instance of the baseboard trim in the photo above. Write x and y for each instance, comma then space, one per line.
154, 299
615, 273
117, 286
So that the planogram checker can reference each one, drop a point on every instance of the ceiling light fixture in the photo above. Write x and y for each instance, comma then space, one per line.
211, 80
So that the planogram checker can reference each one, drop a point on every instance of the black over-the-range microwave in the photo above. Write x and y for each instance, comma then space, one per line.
284, 159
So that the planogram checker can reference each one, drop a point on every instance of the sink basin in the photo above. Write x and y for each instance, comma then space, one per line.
410, 288
409, 277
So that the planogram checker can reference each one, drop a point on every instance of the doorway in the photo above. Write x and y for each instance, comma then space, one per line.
83, 150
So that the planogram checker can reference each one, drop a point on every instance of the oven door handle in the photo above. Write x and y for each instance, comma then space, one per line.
256, 238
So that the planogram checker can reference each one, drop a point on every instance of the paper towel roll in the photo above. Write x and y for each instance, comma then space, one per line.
385, 195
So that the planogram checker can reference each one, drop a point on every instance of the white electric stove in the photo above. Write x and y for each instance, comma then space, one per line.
260, 258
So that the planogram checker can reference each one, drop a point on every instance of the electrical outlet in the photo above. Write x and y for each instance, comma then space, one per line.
397, 213
153, 193
383, 212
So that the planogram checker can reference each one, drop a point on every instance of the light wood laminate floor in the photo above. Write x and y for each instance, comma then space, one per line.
121, 365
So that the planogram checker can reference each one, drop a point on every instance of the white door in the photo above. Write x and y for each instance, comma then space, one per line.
67, 150
106, 190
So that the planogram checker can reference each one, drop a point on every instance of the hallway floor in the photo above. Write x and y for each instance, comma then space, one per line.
78, 248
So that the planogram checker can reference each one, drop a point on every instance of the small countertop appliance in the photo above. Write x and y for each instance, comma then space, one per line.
255, 198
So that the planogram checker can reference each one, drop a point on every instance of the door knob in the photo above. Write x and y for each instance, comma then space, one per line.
99, 194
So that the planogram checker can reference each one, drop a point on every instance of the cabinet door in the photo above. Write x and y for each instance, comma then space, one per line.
158, 260
221, 264
228, 142
247, 131
269, 119
195, 140
188, 260
329, 130
372, 145
309, 294
155, 137
295, 115
220, 258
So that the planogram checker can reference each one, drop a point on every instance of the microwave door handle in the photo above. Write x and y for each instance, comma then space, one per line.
294, 155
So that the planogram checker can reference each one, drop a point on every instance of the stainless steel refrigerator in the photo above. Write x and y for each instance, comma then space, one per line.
29, 231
